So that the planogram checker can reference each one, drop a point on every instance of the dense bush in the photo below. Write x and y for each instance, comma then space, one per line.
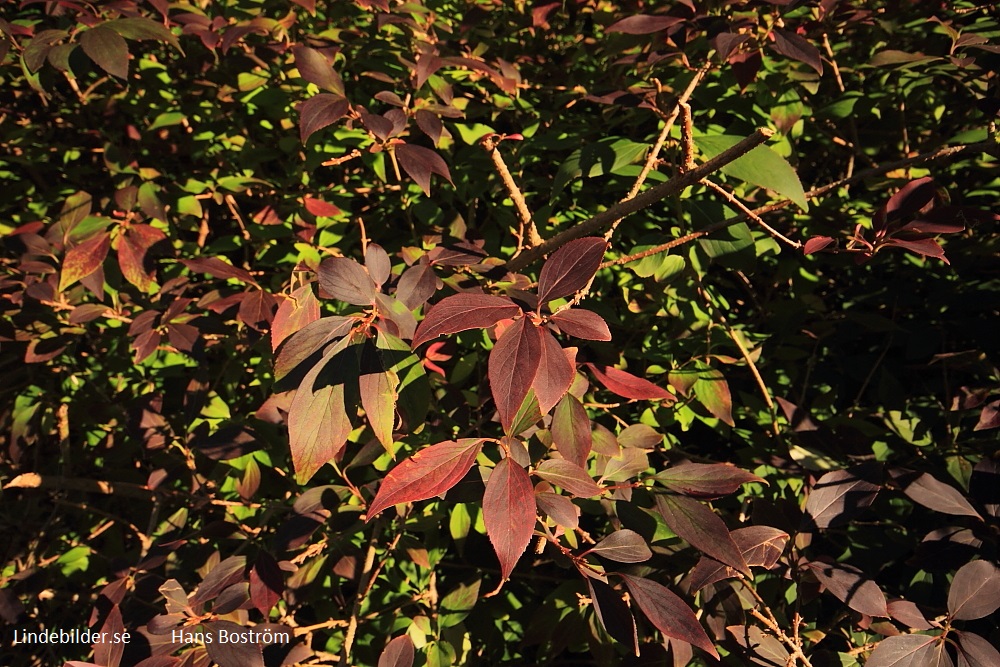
448, 332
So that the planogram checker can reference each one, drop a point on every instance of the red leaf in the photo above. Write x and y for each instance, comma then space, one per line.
555, 373
796, 47
266, 583
345, 280
430, 124
397, 653
975, 591
903, 651
428, 473
223, 575
668, 613
924, 247
320, 208
643, 24
627, 385
571, 432
257, 306
938, 496
132, 248
582, 323
513, 364
712, 391
989, 417
320, 111
83, 259
314, 68
509, 513
109, 653
569, 476
318, 424
294, 314
910, 199
816, 243
217, 268
701, 528
417, 284
837, 497
559, 508
420, 163
462, 312
623, 546
570, 268
974, 651
106, 48
849, 585
705, 480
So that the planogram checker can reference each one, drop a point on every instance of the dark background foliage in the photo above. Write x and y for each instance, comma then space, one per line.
201, 200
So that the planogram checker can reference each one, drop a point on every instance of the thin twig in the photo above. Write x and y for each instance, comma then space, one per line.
647, 198
489, 144
732, 199
363, 588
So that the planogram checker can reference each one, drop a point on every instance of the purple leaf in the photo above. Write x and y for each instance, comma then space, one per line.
231, 653
558, 508
761, 546
312, 338
938, 496
974, 651
420, 163
320, 111
849, 585
106, 48
512, 366
701, 528
908, 614
904, 651
570, 268
796, 47
569, 476
223, 575
462, 312
509, 513
705, 480
346, 280
217, 268
623, 546
314, 68
837, 497
555, 373
417, 284
614, 614
816, 243
975, 591
378, 264
643, 24
397, 653
912, 197
582, 323
668, 613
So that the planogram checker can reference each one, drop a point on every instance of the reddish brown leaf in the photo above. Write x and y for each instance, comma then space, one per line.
837, 497
816, 243
910, 198
346, 280
571, 430
761, 546
462, 312
509, 513
849, 585
974, 651
668, 613
320, 111
555, 374
640, 436
132, 248
582, 323
909, 614
903, 651
623, 546
705, 480
106, 48
569, 476
417, 284
314, 68
378, 264
309, 340
83, 259
420, 163
109, 653
430, 124
796, 47
924, 247
294, 314
320, 208
266, 583
217, 268
643, 24
222, 576
570, 268
513, 364
559, 508
428, 473
257, 306
701, 528
938, 496
318, 424
975, 591
627, 385
989, 417
397, 653
614, 614
230, 653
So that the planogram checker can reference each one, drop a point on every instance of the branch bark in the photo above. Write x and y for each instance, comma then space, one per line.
647, 198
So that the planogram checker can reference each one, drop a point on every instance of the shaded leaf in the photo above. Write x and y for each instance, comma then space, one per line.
397, 653
456, 605
975, 591
513, 364
311, 339
705, 480
83, 259
314, 68
975, 651
582, 323
761, 546
907, 201
570, 268
107, 49
571, 430
428, 473
762, 167
462, 312
762, 648
223, 575
140, 28
837, 497
266, 583
318, 112
378, 394
559, 508
132, 248
555, 374
623, 546
903, 651
627, 385
230, 653
668, 613
216, 267
909, 614
614, 614
569, 476
850, 585
509, 513
417, 284
605, 156
938, 496
344, 279
798, 48
643, 24
701, 528
420, 163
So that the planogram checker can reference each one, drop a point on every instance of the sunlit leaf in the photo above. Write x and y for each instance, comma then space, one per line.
462, 312
513, 363
509, 513
668, 613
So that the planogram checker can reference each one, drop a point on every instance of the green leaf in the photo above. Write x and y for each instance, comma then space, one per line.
762, 167
456, 605
607, 156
